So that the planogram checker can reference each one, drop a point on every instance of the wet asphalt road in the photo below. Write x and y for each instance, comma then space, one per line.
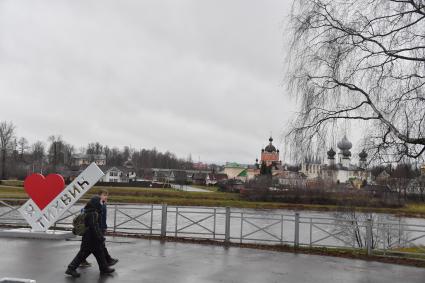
153, 261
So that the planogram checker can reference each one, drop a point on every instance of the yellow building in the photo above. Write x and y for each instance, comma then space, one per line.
233, 170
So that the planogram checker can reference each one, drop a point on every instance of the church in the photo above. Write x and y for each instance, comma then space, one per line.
270, 161
338, 168
270, 155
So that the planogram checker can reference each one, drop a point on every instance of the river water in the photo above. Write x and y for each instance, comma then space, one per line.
259, 226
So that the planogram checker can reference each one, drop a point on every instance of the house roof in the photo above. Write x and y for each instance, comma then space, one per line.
218, 177
162, 174
107, 168
199, 176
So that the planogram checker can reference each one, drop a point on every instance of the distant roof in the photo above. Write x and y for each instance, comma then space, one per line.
199, 176
106, 168
220, 176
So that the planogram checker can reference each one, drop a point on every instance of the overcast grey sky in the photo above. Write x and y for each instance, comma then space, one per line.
189, 76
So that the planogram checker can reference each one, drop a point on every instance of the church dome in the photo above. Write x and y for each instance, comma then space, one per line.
331, 153
363, 155
345, 144
346, 153
270, 147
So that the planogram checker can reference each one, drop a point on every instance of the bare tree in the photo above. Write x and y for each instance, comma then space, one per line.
350, 227
94, 148
37, 155
68, 152
22, 146
421, 186
38, 151
7, 130
399, 185
55, 150
363, 61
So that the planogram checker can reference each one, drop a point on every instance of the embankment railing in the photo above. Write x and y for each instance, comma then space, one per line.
234, 225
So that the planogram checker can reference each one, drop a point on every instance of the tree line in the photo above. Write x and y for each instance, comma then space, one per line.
19, 157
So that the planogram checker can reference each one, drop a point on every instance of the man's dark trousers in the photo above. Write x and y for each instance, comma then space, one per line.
105, 250
87, 248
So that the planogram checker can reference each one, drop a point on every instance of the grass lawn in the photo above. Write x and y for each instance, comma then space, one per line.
14, 189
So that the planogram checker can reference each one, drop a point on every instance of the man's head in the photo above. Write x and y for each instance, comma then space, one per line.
94, 203
103, 194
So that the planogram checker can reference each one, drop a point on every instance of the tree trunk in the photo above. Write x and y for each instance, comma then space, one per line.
3, 164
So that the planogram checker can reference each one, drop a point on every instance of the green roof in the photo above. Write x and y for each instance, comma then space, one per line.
244, 173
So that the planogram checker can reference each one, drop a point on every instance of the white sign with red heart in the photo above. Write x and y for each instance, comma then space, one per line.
48, 198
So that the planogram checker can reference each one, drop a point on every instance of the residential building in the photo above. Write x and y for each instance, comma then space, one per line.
199, 178
200, 166
118, 174
212, 179
85, 159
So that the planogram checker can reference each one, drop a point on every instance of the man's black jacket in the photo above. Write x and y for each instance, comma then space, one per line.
92, 210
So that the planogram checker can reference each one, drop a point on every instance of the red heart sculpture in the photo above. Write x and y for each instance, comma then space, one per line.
42, 190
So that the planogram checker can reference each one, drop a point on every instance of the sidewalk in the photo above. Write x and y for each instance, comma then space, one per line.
150, 261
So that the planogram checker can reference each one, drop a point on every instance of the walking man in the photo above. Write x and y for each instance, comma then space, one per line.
103, 194
93, 241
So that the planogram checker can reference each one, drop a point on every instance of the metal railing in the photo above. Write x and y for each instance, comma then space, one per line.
232, 225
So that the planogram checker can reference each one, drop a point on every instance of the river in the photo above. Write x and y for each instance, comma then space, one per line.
259, 226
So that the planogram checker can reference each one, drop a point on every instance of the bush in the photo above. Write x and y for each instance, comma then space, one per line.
265, 190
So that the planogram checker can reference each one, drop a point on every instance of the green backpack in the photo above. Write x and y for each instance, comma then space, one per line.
79, 226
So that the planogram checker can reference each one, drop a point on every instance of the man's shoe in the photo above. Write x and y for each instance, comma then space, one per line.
107, 270
112, 261
72, 272
85, 264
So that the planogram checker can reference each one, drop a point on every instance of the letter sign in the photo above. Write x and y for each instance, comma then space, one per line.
48, 200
